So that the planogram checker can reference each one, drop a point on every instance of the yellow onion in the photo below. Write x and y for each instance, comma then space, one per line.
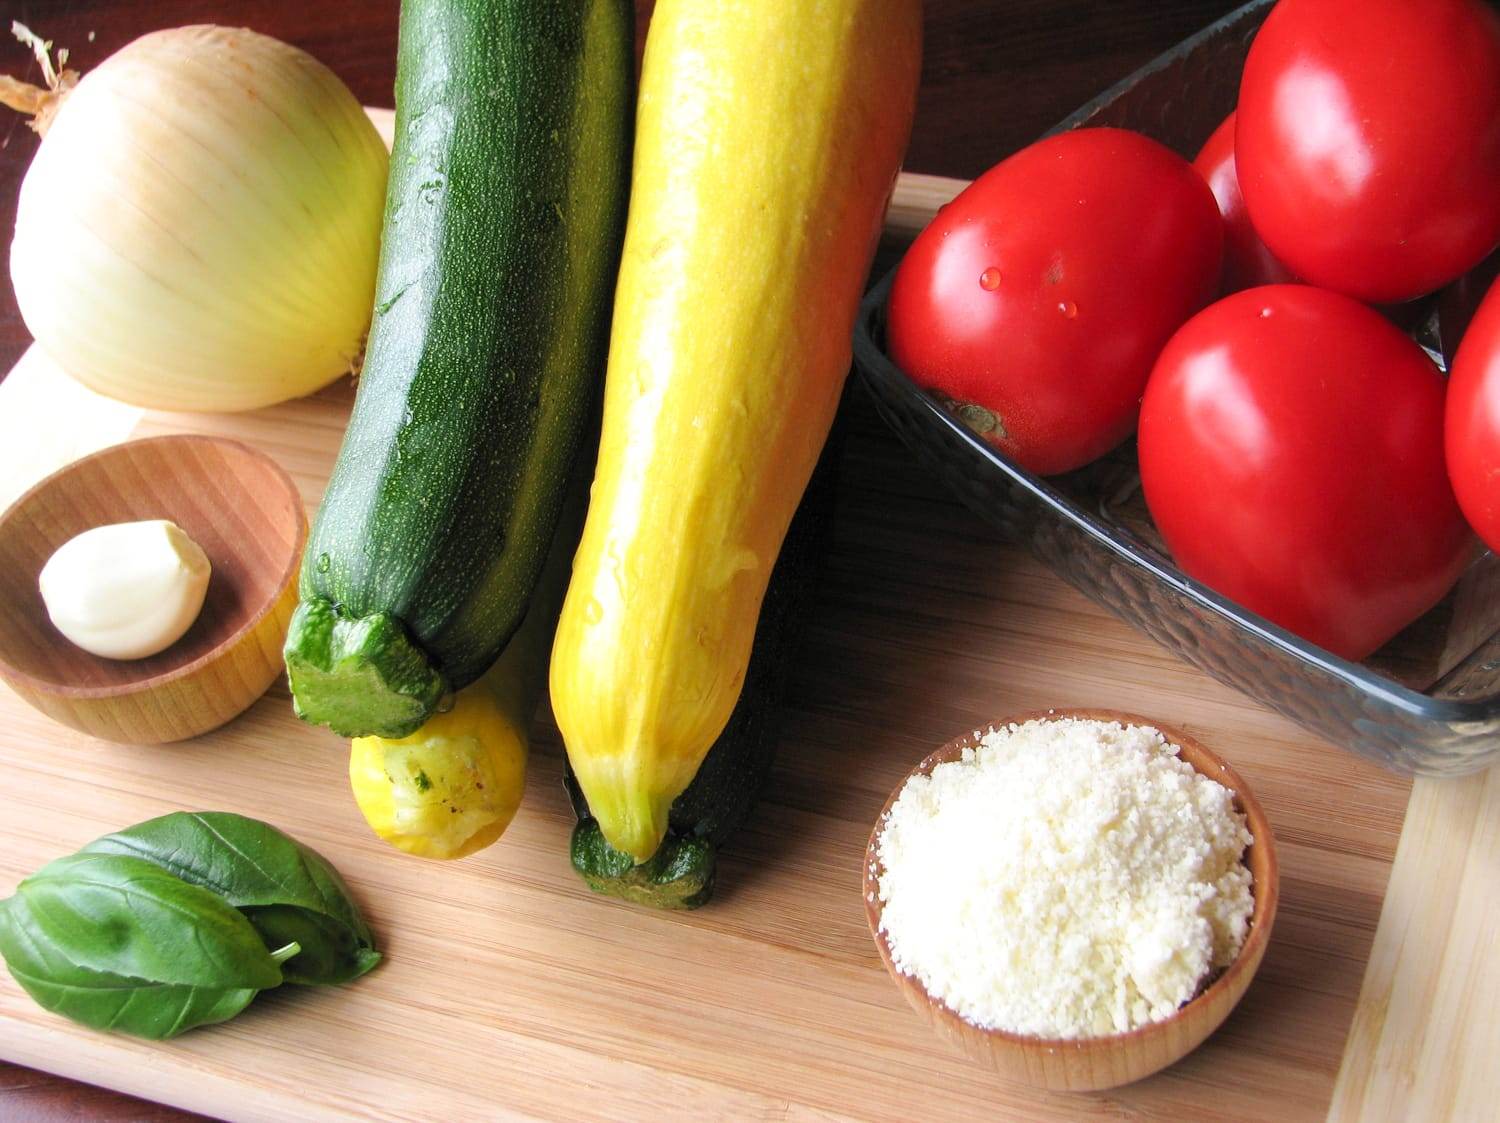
200, 227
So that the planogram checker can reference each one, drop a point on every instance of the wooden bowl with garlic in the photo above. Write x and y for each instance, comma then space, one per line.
1075, 898
235, 503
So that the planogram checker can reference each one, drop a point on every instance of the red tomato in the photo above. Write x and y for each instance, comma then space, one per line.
1368, 141
1291, 453
1473, 429
1247, 261
1038, 299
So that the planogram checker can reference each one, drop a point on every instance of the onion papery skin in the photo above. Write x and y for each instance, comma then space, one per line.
200, 227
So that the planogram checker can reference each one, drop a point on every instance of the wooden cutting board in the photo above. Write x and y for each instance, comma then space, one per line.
508, 990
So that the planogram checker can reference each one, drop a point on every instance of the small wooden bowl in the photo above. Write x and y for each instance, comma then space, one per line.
1096, 1063
236, 503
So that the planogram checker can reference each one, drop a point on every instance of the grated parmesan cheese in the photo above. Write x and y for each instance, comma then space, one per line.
1070, 878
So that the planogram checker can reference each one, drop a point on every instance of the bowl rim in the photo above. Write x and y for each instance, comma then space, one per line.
877, 367
1266, 891
286, 487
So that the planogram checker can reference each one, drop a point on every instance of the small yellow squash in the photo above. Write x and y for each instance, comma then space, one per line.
453, 786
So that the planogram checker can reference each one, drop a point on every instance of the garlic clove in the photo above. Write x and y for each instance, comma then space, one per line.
127, 590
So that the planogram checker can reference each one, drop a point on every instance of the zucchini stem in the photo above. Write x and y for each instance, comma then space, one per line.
359, 676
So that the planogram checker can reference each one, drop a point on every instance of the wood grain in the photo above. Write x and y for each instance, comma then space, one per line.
1090, 1064
1425, 1034
239, 506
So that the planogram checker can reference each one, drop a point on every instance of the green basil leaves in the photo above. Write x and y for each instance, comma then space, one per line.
287, 891
179, 922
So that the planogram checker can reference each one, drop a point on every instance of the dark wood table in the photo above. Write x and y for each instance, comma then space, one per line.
996, 73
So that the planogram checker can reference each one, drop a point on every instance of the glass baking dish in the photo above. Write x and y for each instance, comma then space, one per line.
1428, 703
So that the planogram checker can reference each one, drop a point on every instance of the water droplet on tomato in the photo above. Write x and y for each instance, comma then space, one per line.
1265, 313
1068, 309
593, 611
989, 280
324, 563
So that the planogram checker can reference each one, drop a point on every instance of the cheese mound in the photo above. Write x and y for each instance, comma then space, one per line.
1068, 878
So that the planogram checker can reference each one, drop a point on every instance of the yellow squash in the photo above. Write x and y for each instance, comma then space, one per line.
453, 786
769, 135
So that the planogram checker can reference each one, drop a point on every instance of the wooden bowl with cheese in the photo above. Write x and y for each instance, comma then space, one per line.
1087, 1062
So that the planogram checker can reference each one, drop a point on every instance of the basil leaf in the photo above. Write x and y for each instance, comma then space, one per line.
117, 943
112, 1002
129, 917
281, 885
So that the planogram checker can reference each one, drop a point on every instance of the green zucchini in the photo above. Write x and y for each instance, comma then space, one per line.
504, 218
680, 875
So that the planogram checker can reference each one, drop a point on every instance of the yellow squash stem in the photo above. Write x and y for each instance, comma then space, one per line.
769, 135
452, 787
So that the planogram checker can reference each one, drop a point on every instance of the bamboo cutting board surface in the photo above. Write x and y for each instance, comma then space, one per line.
508, 990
